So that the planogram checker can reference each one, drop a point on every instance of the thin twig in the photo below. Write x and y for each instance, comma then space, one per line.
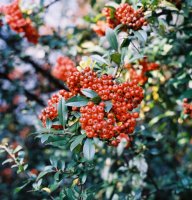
50, 4
135, 47
153, 181
115, 71
10, 154
118, 75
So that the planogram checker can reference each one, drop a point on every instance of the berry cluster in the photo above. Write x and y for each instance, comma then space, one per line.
111, 126
97, 123
124, 97
140, 76
134, 19
63, 68
18, 23
124, 14
111, 20
187, 107
50, 112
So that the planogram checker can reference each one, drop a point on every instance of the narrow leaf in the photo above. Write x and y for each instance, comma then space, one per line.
77, 141
77, 101
43, 174
89, 93
48, 123
89, 149
108, 106
116, 57
99, 59
7, 161
141, 35
62, 112
112, 39
44, 138
18, 148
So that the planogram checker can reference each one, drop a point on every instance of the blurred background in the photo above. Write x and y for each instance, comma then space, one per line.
26, 82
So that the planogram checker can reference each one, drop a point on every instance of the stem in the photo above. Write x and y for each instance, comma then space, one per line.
115, 71
135, 47
48, 5
10, 154
177, 19
113, 192
15, 160
153, 182
81, 190
118, 75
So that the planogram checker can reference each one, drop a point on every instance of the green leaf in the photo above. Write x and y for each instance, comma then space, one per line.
89, 93
123, 53
18, 189
99, 59
93, 2
108, 106
44, 173
141, 35
159, 117
186, 94
18, 148
62, 112
77, 101
54, 162
112, 39
62, 165
48, 123
168, 5
96, 100
125, 42
121, 146
2, 150
118, 28
44, 138
78, 140
116, 57
74, 127
136, 57
89, 149
7, 161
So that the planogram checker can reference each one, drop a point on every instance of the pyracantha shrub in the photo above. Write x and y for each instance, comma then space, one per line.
110, 125
139, 72
14, 17
125, 15
187, 107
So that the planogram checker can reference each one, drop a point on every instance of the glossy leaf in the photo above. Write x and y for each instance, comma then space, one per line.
62, 112
77, 101
108, 106
89, 93
89, 149
78, 140
112, 39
